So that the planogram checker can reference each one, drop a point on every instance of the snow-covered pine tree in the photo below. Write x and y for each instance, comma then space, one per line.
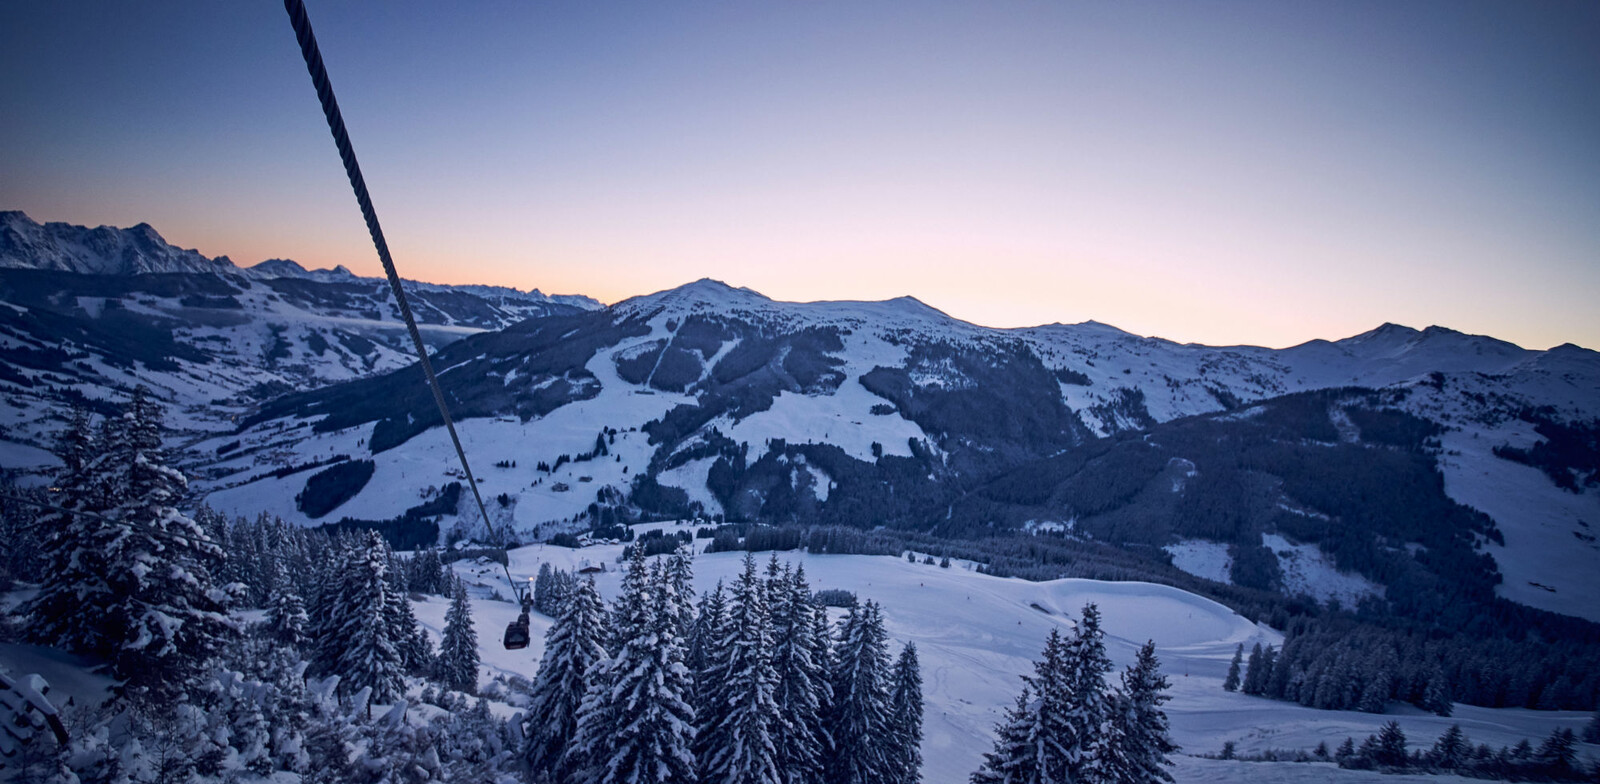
416, 652
1135, 738
1015, 758
572, 651
370, 657
860, 700
822, 652
457, 665
905, 718
706, 659
739, 748
1086, 666
800, 661
1231, 683
541, 589
635, 723
151, 610
73, 595
328, 605
286, 611
680, 573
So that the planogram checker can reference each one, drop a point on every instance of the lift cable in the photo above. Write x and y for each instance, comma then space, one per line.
347, 153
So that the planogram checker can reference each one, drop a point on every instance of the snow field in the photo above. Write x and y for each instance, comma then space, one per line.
1307, 570
1543, 525
976, 634
1203, 559
429, 459
844, 418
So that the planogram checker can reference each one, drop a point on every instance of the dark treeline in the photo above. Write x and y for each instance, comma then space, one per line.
1555, 759
1339, 664
1569, 453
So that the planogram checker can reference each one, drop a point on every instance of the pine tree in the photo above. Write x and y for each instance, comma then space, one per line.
860, 700
1135, 740
635, 723
286, 612
74, 595
1038, 743
1015, 758
416, 652
370, 657
1558, 755
739, 748
713, 672
541, 590
905, 718
457, 665
1452, 749
1391, 747
1436, 695
328, 606
800, 660
137, 572
1253, 671
1231, 683
822, 652
680, 573
1086, 705
572, 651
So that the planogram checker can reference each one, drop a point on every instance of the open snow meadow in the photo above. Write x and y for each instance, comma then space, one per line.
976, 634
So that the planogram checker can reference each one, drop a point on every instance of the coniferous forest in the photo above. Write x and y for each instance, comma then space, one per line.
234, 649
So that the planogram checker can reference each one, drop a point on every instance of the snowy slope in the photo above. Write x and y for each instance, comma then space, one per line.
98, 311
1109, 380
976, 635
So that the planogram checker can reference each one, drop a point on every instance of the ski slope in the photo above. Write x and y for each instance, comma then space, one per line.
976, 634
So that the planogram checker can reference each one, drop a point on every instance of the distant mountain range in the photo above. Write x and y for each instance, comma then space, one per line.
1399, 465
140, 250
94, 312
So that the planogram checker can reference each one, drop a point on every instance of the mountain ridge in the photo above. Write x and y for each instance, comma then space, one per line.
715, 400
140, 250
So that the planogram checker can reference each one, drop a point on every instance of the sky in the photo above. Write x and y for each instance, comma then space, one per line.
1219, 172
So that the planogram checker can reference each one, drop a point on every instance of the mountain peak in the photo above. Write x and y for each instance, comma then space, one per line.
279, 268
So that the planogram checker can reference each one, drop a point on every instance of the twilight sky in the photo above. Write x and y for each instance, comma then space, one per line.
1217, 172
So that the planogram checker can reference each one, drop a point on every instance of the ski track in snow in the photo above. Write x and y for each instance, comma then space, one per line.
976, 634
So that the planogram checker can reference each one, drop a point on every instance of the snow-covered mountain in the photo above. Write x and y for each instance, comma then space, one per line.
106, 250
715, 400
90, 313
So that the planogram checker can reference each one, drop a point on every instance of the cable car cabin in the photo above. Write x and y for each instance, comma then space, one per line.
517, 635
